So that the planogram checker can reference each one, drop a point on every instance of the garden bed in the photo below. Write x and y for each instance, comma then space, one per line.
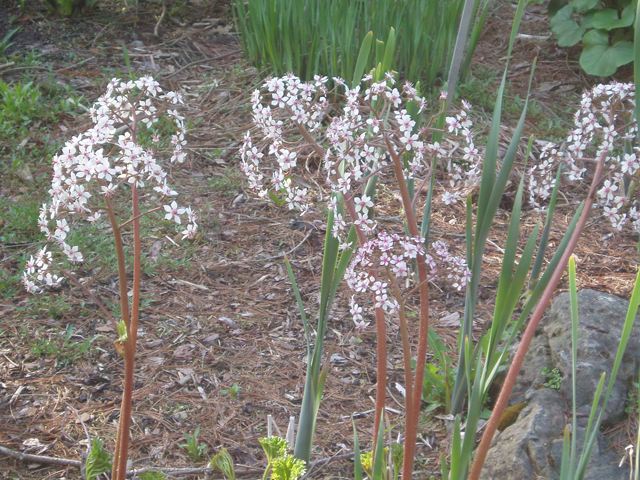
221, 345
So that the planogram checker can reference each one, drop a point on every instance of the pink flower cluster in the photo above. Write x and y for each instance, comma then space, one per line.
361, 139
602, 126
102, 160
358, 142
395, 254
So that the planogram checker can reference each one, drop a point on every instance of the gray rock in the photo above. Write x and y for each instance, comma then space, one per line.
532, 446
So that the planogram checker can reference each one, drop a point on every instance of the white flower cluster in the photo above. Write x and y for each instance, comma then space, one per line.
602, 126
370, 135
374, 126
395, 253
123, 108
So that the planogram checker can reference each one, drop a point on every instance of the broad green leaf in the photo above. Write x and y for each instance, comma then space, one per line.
578, 5
565, 472
566, 28
564, 14
555, 5
628, 15
608, 19
600, 58
587, 19
98, 461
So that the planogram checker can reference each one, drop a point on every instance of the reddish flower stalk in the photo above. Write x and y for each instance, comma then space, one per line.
536, 316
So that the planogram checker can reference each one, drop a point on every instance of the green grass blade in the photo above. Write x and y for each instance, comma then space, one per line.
443, 467
303, 314
573, 289
389, 52
634, 303
363, 59
331, 250
378, 461
510, 250
456, 450
491, 154
535, 295
636, 475
564, 470
495, 196
475, 37
589, 440
473, 416
510, 285
491, 191
127, 62
357, 463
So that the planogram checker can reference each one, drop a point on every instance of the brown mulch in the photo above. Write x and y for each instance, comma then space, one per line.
226, 315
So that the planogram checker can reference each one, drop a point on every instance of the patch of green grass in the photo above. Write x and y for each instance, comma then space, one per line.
62, 346
51, 305
20, 221
9, 284
227, 184
479, 89
24, 103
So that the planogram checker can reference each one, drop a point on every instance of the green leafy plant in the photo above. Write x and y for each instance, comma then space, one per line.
67, 8
98, 460
233, 390
4, 43
287, 468
194, 448
574, 466
274, 448
324, 37
20, 102
438, 379
223, 462
92, 191
605, 29
554, 378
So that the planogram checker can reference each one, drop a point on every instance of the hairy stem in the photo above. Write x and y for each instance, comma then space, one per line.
406, 346
131, 321
413, 403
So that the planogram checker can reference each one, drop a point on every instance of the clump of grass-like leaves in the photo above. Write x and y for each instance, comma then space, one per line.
324, 37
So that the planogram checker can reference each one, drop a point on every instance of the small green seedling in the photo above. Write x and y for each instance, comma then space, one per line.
554, 378
195, 449
98, 460
234, 391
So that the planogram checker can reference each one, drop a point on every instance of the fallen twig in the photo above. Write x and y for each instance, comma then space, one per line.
42, 459
27, 457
